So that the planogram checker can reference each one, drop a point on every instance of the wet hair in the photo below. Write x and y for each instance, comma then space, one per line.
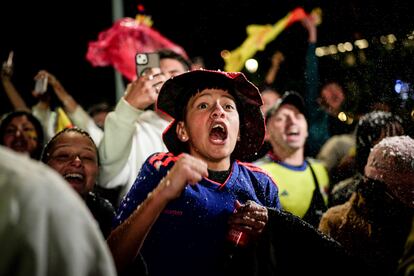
371, 127
8, 117
167, 53
46, 150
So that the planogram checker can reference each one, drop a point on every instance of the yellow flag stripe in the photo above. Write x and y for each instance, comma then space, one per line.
62, 120
258, 37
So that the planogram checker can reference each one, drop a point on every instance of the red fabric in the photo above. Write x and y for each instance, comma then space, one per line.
118, 46
296, 15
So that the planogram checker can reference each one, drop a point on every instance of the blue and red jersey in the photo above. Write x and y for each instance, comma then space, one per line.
192, 228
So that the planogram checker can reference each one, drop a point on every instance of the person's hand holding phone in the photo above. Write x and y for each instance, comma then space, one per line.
40, 87
7, 67
143, 92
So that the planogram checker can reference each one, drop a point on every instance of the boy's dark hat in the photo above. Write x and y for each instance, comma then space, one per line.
289, 97
176, 92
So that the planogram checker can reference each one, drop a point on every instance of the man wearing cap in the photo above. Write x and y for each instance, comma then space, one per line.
302, 182
185, 202
375, 222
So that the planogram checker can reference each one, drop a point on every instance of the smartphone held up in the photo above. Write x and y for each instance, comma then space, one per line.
7, 66
145, 61
41, 85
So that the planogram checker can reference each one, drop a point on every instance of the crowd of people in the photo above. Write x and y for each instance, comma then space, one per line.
202, 172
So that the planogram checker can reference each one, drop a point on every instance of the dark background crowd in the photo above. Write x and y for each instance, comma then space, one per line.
329, 164
54, 36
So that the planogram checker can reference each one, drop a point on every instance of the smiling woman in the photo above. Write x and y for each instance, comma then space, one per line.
22, 132
73, 154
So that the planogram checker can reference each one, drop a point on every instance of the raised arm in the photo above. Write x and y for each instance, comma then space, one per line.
277, 59
14, 96
74, 110
115, 149
65, 98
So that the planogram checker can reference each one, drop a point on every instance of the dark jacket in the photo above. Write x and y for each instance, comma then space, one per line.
290, 246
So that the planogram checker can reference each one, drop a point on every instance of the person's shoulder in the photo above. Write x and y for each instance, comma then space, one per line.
314, 160
262, 161
44, 199
30, 176
316, 163
31, 182
100, 203
254, 169
40, 192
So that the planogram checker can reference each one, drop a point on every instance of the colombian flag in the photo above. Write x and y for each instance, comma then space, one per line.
258, 36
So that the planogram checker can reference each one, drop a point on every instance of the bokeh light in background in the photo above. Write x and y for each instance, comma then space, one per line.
251, 65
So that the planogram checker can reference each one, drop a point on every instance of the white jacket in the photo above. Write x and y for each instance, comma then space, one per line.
130, 136
46, 228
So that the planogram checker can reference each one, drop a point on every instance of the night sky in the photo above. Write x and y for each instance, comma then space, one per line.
53, 35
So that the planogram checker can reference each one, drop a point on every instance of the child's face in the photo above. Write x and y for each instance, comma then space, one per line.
211, 124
